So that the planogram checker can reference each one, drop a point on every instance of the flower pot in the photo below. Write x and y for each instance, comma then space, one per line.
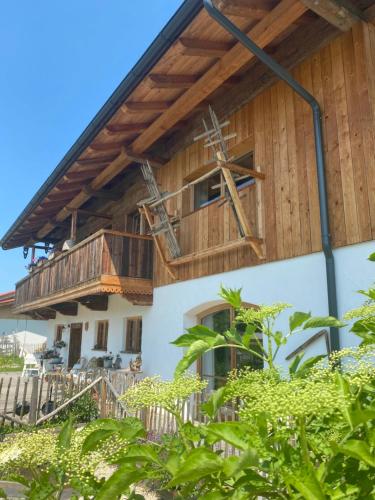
107, 363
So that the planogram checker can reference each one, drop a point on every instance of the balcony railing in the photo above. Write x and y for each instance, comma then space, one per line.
106, 262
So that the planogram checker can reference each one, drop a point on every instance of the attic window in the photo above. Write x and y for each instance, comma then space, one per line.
208, 191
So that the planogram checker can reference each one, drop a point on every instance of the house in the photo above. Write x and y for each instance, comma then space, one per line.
206, 167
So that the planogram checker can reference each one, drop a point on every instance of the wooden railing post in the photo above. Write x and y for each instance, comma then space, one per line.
34, 400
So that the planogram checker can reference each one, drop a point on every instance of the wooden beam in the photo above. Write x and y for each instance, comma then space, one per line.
146, 106
90, 213
66, 308
48, 205
73, 226
108, 146
158, 81
126, 127
284, 14
61, 196
253, 9
340, 13
140, 158
99, 160
95, 302
232, 188
69, 186
244, 171
103, 194
82, 174
150, 219
208, 252
203, 48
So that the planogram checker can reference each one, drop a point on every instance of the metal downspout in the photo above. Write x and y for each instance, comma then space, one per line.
284, 75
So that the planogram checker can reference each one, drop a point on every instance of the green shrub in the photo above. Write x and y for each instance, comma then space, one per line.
83, 409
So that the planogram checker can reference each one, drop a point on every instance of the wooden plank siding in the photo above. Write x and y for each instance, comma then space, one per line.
277, 126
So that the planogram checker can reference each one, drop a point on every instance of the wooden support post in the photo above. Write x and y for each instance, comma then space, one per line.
232, 188
34, 401
103, 399
159, 248
73, 227
260, 212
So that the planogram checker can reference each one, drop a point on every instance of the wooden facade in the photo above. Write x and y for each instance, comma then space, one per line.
277, 126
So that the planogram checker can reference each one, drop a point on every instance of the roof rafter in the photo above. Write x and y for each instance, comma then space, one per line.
340, 13
203, 48
254, 9
144, 106
159, 81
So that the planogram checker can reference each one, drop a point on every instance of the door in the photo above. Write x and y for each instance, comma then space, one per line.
75, 342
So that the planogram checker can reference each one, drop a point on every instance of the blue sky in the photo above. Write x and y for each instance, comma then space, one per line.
59, 62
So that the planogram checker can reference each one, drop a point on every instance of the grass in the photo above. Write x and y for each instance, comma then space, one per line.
10, 364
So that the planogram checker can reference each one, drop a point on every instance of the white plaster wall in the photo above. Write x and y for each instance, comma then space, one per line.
118, 309
300, 282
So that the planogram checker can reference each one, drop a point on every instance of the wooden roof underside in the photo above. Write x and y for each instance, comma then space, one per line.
203, 62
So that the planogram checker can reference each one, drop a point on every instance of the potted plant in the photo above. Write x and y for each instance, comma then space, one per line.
108, 360
59, 344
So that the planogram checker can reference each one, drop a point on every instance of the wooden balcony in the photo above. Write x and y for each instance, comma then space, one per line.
108, 262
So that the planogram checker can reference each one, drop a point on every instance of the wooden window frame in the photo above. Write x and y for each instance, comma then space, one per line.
103, 344
213, 310
133, 339
189, 196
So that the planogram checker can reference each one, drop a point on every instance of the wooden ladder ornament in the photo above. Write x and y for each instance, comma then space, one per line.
215, 140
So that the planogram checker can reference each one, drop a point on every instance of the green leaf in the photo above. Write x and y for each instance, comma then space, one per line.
198, 332
93, 440
214, 403
173, 462
323, 321
120, 482
308, 486
235, 464
372, 257
249, 334
129, 428
65, 435
232, 296
294, 364
196, 350
358, 449
344, 389
370, 293
279, 338
305, 368
234, 433
360, 416
200, 462
296, 319
140, 453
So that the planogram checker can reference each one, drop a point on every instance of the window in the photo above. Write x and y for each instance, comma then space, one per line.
209, 190
133, 341
133, 222
215, 365
101, 335
58, 333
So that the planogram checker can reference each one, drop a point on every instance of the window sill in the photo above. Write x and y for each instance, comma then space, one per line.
99, 350
130, 352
